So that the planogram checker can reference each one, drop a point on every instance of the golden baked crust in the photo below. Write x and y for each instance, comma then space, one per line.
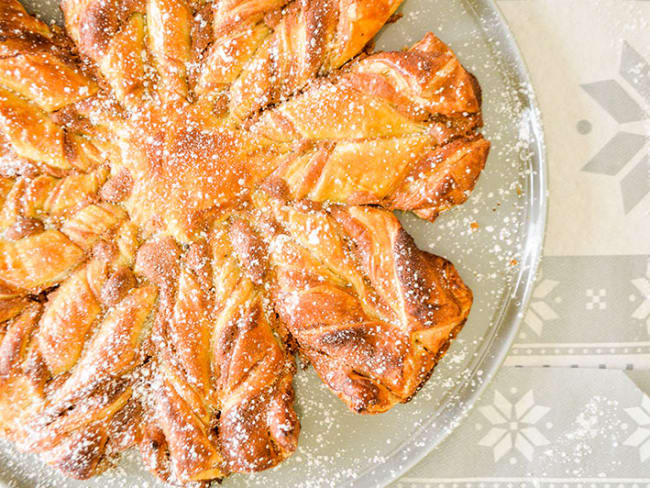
191, 193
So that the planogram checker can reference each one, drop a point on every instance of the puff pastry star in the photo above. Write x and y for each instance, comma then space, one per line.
194, 192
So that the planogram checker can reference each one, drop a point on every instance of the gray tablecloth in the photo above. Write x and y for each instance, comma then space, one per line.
571, 406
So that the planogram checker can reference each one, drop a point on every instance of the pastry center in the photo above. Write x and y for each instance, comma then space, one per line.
185, 170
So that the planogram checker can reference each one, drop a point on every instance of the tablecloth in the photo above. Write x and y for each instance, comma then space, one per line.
571, 405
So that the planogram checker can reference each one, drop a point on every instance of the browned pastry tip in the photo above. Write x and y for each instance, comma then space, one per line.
181, 428
442, 178
78, 454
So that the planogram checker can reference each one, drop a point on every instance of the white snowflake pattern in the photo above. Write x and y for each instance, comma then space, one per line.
513, 426
641, 436
539, 310
642, 312
620, 99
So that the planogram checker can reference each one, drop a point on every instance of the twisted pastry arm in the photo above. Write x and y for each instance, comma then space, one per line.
265, 53
38, 261
79, 405
112, 35
177, 394
397, 129
46, 257
38, 75
95, 390
311, 38
258, 427
370, 311
35, 62
21, 390
33, 258
218, 353
387, 94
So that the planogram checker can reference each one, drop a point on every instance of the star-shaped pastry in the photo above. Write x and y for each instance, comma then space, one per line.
194, 192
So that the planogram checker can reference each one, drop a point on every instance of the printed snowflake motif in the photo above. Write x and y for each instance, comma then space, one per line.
627, 106
642, 312
513, 426
539, 310
641, 436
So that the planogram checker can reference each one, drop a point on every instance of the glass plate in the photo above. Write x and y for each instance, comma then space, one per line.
494, 240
